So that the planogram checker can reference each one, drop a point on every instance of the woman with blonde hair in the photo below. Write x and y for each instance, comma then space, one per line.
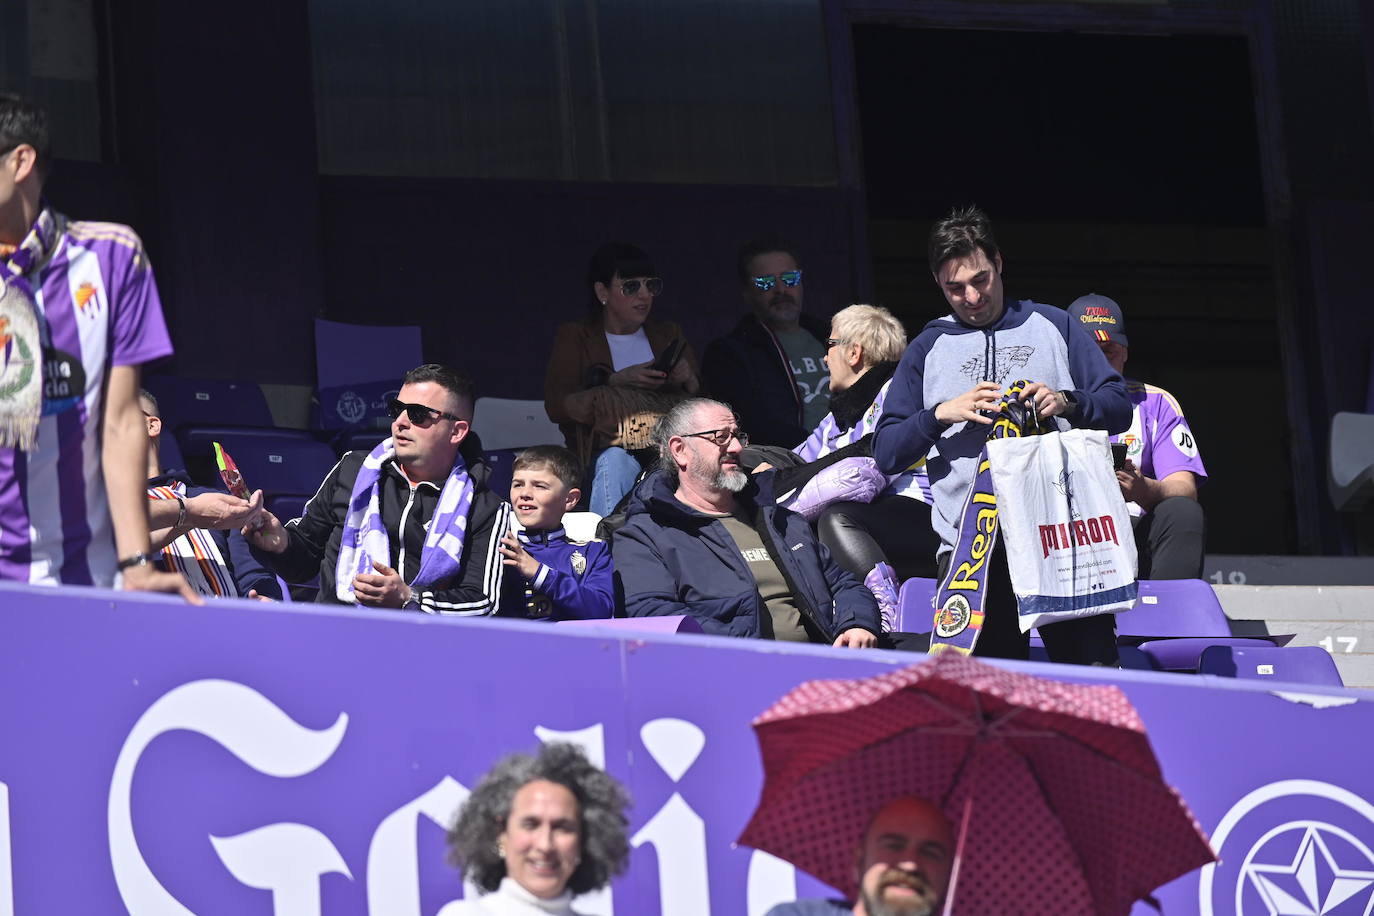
876, 526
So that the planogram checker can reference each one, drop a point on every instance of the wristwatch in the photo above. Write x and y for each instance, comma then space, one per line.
1070, 403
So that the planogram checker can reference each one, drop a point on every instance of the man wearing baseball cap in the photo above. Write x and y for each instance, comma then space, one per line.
1163, 465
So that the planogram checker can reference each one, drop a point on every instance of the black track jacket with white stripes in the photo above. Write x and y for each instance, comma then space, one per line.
315, 536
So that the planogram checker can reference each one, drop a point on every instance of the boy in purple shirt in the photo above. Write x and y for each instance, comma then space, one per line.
559, 578
79, 316
1163, 465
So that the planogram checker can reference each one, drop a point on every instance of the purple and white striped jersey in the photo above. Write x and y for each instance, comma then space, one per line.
828, 437
1159, 441
98, 307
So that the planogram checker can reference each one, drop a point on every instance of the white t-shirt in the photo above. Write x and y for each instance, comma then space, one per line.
629, 349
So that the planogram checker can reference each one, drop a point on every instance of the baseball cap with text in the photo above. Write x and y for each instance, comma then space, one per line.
1101, 317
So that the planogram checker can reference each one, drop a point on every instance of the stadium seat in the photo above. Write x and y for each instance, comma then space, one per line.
1350, 465
1294, 664
362, 440
581, 526
1185, 617
198, 411
505, 423
169, 453
208, 402
501, 463
278, 462
916, 605
358, 369
288, 506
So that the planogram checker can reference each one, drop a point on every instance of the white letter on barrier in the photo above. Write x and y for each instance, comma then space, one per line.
592, 740
286, 859
6, 868
393, 859
238, 718
677, 833
771, 881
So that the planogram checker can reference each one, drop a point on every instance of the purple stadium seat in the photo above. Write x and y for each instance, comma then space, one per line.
169, 453
915, 605
278, 462
287, 507
358, 368
501, 462
361, 440
1174, 607
1294, 664
681, 624
208, 402
1184, 617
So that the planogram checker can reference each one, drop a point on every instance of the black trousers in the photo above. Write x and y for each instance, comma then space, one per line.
1170, 539
891, 529
1085, 641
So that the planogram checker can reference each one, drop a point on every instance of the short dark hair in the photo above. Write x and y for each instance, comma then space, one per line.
957, 235
145, 395
601, 801
755, 247
23, 122
457, 384
554, 458
615, 258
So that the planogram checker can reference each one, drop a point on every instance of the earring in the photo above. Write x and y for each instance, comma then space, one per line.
603, 301
500, 849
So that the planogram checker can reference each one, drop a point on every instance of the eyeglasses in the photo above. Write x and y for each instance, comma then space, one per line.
419, 414
833, 342
722, 436
653, 284
788, 277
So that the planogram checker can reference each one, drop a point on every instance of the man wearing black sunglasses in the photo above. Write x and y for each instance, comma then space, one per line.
411, 525
771, 367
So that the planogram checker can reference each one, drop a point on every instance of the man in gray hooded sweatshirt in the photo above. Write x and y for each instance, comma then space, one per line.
943, 400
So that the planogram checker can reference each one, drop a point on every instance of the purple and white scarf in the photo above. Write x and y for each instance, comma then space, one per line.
21, 336
365, 538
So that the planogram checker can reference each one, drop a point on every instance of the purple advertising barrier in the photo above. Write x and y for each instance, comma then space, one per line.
245, 758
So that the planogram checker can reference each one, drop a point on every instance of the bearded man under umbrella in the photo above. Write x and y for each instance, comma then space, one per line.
1060, 803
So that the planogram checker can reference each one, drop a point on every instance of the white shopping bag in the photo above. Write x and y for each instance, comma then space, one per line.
1066, 528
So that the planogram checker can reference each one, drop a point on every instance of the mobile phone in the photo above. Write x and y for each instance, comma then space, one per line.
1118, 456
670, 355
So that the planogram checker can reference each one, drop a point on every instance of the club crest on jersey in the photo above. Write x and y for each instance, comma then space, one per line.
16, 362
953, 618
85, 294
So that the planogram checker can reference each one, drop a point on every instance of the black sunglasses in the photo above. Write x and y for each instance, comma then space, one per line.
419, 414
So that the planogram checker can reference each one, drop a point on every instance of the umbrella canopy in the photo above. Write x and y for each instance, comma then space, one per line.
1067, 811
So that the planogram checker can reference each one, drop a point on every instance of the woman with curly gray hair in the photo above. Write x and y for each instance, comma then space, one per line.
537, 830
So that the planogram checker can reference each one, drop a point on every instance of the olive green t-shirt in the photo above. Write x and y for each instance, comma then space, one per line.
785, 616
807, 356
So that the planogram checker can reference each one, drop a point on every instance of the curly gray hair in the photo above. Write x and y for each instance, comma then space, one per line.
601, 802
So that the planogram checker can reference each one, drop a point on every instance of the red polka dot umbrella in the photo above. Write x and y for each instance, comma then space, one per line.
1055, 787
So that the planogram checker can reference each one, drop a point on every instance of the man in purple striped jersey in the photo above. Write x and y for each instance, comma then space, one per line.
1163, 467
79, 316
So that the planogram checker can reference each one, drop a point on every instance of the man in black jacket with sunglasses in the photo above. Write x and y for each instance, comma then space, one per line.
410, 525
771, 367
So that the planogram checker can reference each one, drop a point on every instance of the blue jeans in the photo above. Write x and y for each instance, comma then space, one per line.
613, 475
